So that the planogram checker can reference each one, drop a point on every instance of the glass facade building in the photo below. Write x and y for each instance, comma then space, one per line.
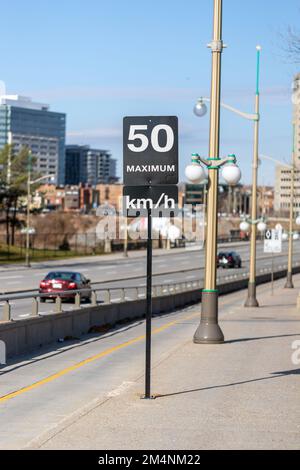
89, 166
25, 123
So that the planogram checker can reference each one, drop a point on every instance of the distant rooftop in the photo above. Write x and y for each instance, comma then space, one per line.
22, 102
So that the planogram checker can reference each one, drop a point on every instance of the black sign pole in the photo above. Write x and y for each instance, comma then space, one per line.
150, 159
149, 307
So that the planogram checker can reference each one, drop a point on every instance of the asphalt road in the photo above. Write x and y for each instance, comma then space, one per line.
116, 271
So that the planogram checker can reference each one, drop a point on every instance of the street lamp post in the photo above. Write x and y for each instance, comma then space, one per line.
251, 300
29, 183
209, 330
27, 262
289, 277
246, 223
291, 234
200, 110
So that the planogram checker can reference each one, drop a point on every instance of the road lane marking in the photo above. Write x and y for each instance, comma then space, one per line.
90, 359
10, 277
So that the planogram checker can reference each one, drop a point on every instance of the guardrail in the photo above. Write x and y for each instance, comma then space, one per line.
28, 335
127, 293
137, 292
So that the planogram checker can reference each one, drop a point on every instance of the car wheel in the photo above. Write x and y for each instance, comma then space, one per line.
42, 299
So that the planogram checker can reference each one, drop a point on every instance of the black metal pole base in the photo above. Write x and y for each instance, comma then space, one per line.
289, 281
150, 397
209, 331
251, 300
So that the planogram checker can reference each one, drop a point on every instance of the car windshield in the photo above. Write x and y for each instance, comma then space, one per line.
64, 276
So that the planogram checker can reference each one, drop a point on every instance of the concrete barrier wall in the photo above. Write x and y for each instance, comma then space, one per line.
30, 334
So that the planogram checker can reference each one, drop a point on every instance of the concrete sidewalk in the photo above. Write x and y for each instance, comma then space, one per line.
243, 394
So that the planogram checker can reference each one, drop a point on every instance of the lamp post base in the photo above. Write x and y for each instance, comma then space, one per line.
209, 331
251, 300
289, 281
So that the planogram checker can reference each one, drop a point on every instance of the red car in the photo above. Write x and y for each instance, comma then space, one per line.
59, 281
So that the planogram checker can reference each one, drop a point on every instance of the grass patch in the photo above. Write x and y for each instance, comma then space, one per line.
13, 254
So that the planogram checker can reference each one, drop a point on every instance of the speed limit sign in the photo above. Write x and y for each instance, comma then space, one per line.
150, 150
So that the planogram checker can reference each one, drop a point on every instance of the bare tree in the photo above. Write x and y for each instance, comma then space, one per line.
291, 41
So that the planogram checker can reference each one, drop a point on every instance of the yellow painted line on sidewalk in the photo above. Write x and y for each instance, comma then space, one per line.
108, 351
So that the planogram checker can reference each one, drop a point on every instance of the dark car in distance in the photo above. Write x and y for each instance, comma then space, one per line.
64, 281
229, 259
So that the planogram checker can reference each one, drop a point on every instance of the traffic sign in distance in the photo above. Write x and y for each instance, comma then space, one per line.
162, 200
273, 241
150, 150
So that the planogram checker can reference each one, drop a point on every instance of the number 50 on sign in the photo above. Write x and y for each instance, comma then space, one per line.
150, 150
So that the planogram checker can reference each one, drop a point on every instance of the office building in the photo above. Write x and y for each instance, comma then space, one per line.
26, 123
282, 194
89, 166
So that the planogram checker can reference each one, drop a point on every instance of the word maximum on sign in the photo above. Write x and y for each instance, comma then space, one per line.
150, 150
150, 168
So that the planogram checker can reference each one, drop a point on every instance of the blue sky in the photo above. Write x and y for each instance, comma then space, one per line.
101, 60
